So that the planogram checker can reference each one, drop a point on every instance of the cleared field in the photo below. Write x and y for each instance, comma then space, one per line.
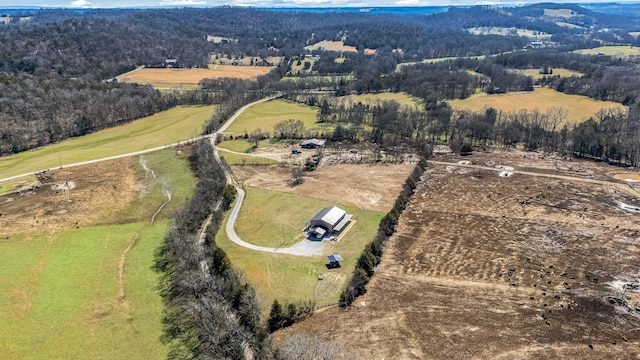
338, 46
239, 159
483, 266
484, 30
564, 13
77, 281
578, 107
561, 72
319, 78
190, 78
402, 98
298, 69
265, 115
611, 51
18, 184
179, 123
263, 219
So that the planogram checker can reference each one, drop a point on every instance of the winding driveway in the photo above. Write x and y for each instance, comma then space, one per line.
303, 248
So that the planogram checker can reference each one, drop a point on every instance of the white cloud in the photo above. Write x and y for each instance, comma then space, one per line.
82, 4
184, 2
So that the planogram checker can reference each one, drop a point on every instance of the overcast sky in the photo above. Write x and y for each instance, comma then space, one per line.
256, 3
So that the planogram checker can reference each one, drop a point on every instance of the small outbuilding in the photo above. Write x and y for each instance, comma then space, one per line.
330, 220
313, 143
334, 260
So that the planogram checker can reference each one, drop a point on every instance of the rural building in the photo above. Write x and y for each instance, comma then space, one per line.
330, 220
312, 143
334, 260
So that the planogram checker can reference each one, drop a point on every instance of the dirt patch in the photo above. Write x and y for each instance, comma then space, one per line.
484, 266
632, 177
370, 187
79, 197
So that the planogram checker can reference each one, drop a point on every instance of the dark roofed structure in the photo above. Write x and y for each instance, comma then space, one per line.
330, 220
312, 143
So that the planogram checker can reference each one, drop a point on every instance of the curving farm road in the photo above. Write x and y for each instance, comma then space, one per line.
303, 248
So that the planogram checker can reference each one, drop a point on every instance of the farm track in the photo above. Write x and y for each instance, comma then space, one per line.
303, 248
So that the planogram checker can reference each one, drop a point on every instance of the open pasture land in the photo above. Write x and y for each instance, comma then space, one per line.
77, 279
490, 30
337, 46
621, 50
483, 266
265, 115
190, 78
273, 210
561, 72
562, 13
276, 219
167, 127
402, 98
369, 187
578, 107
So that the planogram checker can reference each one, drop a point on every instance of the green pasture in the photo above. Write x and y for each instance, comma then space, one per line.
621, 50
264, 217
59, 295
238, 145
179, 123
239, 159
265, 115
60, 292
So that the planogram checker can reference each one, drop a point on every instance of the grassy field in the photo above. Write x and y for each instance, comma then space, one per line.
262, 219
167, 127
238, 159
338, 46
319, 78
265, 115
579, 107
61, 296
402, 98
563, 73
622, 51
18, 184
189, 78
484, 30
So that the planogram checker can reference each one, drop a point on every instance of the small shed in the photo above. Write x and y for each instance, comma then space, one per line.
334, 260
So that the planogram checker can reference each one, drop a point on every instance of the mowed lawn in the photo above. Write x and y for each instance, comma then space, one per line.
579, 108
61, 293
621, 50
265, 115
190, 78
177, 124
268, 215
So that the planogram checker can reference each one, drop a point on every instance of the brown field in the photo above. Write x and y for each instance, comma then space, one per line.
86, 196
483, 266
336, 46
579, 108
369, 187
561, 72
190, 77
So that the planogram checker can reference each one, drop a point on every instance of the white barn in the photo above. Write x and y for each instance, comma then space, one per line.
330, 220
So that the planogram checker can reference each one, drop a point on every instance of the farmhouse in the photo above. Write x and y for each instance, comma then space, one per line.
312, 143
330, 220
